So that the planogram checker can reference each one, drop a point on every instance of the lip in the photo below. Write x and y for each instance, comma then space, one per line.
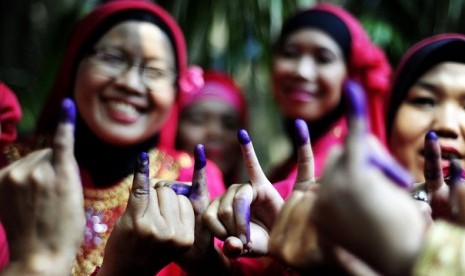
123, 111
214, 152
300, 95
450, 152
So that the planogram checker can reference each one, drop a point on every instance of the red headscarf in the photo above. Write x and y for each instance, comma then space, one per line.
10, 114
85, 29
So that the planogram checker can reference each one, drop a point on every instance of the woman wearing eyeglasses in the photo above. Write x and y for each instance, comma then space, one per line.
124, 67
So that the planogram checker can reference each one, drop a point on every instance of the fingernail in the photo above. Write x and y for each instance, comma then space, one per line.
356, 98
143, 163
68, 111
181, 189
302, 135
199, 155
243, 137
431, 135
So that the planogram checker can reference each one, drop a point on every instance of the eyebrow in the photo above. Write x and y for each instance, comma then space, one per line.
429, 86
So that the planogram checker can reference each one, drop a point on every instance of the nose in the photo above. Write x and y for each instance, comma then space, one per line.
131, 80
449, 121
306, 68
215, 129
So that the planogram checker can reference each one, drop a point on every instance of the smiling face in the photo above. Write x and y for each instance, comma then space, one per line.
436, 101
214, 124
122, 109
308, 74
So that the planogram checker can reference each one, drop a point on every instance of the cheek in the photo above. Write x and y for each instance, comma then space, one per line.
407, 138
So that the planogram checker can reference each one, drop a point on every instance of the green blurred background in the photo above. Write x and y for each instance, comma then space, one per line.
230, 35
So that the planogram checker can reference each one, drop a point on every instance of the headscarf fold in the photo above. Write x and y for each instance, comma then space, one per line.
10, 114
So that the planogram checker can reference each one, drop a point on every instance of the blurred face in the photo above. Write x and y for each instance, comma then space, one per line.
214, 124
308, 74
435, 102
126, 88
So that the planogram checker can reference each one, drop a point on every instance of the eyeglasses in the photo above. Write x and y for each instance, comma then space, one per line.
114, 63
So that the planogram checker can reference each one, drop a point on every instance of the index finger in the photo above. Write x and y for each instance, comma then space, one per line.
199, 195
140, 192
63, 141
254, 170
306, 162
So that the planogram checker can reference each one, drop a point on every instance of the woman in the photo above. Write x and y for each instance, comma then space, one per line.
211, 116
123, 67
427, 90
318, 49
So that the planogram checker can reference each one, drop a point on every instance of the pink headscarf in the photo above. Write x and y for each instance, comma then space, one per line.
218, 86
10, 114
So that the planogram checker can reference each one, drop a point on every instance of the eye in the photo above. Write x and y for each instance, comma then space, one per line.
197, 119
114, 59
423, 101
289, 52
155, 73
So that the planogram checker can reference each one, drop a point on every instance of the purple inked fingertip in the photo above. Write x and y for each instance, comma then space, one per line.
199, 155
68, 111
431, 135
181, 189
243, 137
455, 173
143, 163
355, 98
302, 134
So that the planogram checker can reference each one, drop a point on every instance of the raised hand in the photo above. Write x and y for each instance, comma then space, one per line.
41, 205
294, 239
202, 257
244, 215
359, 206
156, 229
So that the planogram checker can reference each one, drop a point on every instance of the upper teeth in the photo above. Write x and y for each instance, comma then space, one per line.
123, 107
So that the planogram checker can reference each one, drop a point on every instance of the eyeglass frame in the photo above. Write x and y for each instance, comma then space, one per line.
99, 54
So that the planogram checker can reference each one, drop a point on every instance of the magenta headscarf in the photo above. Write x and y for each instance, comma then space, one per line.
10, 114
218, 86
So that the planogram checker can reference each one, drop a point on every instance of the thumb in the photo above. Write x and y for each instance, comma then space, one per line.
356, 119
63, 141
199, 195
306, 162
254, 170
140, 191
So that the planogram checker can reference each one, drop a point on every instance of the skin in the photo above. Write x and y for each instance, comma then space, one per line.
308, 74
435, 102
35, 192
394, 232
122, 110
212, 123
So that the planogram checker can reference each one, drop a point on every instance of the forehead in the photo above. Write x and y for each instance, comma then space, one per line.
138, 36
313, 37
446, 73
